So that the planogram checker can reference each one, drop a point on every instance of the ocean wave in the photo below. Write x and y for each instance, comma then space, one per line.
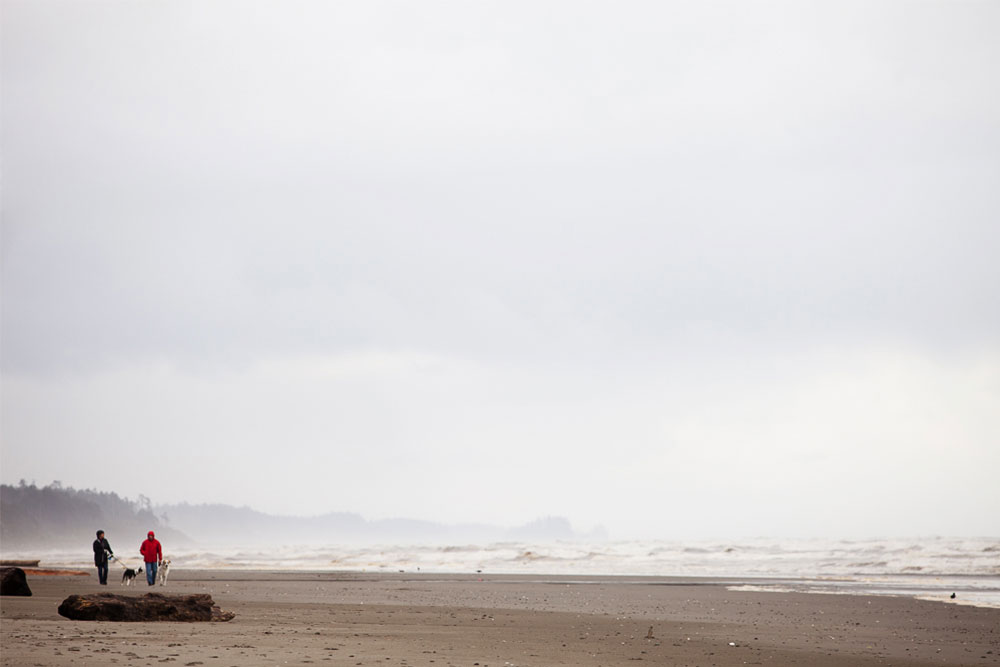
761, 558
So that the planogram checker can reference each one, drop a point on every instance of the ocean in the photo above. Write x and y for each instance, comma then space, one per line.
926, 568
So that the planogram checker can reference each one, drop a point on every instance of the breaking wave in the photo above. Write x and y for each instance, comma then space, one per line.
916, 567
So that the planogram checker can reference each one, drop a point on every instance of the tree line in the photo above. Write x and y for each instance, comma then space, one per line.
57, 516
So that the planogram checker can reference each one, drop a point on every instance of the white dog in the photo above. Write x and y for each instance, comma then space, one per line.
163, 571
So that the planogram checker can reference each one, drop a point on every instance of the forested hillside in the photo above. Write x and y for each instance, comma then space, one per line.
54, 516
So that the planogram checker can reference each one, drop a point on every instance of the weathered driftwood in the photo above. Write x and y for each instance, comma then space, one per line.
148, 607
13, 581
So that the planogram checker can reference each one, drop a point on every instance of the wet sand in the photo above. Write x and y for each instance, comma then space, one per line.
496, 621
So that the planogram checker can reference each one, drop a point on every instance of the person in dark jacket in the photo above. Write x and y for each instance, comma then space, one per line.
152, 554
101, 552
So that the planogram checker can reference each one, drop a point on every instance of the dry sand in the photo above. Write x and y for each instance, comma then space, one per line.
496, 621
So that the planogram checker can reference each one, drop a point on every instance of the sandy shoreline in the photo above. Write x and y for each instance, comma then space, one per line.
297, 618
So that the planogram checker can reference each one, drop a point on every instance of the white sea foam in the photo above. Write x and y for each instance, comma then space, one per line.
929, 568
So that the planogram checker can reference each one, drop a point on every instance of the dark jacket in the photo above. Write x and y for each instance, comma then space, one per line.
101, 551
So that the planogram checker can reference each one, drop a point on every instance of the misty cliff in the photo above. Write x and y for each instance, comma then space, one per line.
225, 524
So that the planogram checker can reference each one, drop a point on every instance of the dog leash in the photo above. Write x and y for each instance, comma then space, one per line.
119, 561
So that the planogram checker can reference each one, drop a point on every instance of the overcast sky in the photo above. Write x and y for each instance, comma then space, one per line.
680, 269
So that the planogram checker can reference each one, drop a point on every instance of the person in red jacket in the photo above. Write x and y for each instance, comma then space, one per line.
152, 555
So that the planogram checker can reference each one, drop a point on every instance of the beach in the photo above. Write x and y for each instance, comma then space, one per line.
297, 618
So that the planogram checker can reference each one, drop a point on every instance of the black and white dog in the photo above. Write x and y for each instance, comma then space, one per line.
163, 571
128, 577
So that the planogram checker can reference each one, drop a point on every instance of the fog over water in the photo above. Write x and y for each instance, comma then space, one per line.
678, 270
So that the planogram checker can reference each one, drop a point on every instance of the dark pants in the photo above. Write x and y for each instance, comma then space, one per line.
102, 573
150, 573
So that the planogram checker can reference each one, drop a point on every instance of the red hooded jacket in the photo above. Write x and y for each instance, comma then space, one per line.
151, 550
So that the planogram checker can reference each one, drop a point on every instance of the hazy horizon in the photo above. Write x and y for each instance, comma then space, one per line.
675, 269
223, 525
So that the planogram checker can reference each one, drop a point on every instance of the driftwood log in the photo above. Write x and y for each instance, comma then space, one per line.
148, 607
13, 581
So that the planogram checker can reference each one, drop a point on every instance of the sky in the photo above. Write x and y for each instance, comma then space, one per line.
675, 269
